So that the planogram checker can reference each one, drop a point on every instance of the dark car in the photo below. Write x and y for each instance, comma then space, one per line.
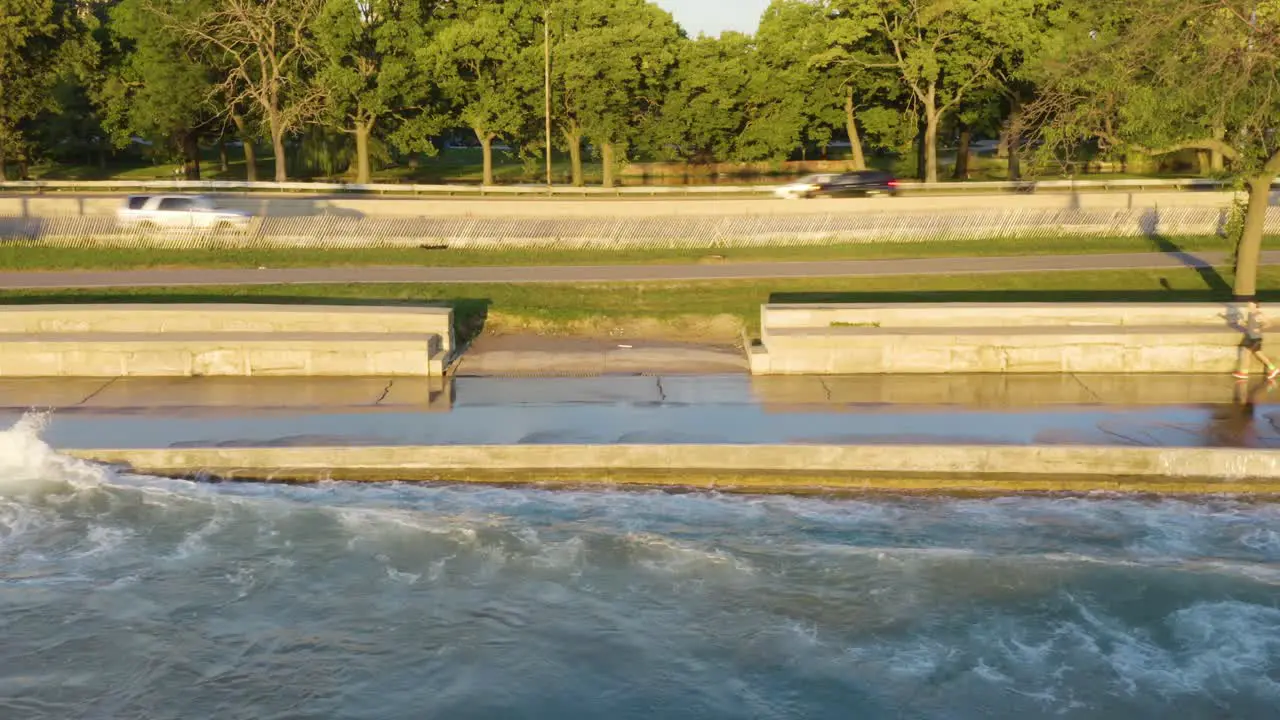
862, 182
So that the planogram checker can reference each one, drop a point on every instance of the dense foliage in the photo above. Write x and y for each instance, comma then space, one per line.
344, 86
340, 86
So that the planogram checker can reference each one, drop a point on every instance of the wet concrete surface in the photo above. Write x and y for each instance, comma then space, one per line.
1190, 411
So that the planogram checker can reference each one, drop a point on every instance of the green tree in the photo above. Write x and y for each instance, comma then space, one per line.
611, 63
266, 53
1178, 75
1052, 26
42, 43
939, 50
367, 67
155, 87
792, 100
488, 61
704, 111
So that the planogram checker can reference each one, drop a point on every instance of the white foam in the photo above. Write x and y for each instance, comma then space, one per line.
27, 462
668, 556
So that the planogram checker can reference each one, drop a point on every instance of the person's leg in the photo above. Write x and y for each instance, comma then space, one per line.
1242, 362
1272, 370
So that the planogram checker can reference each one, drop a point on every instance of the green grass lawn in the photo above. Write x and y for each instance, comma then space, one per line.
13, 257
692, 310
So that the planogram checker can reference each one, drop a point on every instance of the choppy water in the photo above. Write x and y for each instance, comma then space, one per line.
131, 597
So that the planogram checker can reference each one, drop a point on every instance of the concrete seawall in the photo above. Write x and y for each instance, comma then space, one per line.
998, 338
745, 468
202, 340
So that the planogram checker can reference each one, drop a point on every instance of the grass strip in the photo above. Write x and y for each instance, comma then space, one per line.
17, 258
692, 311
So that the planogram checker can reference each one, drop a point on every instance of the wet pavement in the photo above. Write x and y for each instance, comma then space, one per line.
734, 409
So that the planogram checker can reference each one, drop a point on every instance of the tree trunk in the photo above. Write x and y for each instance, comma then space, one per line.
1014, 138
607, 159
859, 161
932, 119
1217, 163
486, 150
962, 153
250, 152
222, 155
281, 162
1248, 254
364, 170
574, 140
250, 159
920, 154
191, 156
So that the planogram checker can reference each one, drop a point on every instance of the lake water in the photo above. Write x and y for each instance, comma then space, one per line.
137, 597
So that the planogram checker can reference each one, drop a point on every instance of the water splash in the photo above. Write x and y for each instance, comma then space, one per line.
28, 463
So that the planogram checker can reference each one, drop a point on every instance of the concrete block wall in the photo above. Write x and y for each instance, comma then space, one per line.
223, 340
975, 338
36, 206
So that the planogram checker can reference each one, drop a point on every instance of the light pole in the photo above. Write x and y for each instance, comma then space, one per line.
546, 48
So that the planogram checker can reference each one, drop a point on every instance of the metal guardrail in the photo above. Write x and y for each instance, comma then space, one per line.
225, 186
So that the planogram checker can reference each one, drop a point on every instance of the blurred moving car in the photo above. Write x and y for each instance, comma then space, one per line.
862, 182
179, 212
802, 188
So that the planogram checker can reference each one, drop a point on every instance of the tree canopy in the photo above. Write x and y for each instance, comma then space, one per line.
1170, 75
906, 83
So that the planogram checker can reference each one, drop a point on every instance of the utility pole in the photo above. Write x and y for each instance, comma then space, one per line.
546, 42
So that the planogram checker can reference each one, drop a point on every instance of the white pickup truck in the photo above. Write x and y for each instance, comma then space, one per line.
179, 212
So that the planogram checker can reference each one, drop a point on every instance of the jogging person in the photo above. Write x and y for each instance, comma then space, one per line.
1252, 345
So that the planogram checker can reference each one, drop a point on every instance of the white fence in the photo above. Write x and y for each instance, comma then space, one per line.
222, 186
630, 233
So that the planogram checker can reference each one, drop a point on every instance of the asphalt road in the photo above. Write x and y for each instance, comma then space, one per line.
611, 273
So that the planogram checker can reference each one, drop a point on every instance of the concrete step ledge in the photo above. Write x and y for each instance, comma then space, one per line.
888, 315
757, 468
221, 354
1076, 332
227, 318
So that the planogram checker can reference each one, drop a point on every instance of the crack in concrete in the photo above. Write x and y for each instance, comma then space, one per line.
1096, 397
385, 391
826, 388
662, 392
98, 392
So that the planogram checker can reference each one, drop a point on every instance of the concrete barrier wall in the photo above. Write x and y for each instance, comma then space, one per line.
706, 230
229, 317
779, 316
223, 340
219, 354
561, 208
998, 338
741, 467
1050, 350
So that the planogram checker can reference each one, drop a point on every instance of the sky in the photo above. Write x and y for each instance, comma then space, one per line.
713, 16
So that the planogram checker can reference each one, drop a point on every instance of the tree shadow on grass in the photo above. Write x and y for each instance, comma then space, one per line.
1209, 274
469, 314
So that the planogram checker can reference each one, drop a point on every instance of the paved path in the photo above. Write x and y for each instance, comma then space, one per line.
612, 273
